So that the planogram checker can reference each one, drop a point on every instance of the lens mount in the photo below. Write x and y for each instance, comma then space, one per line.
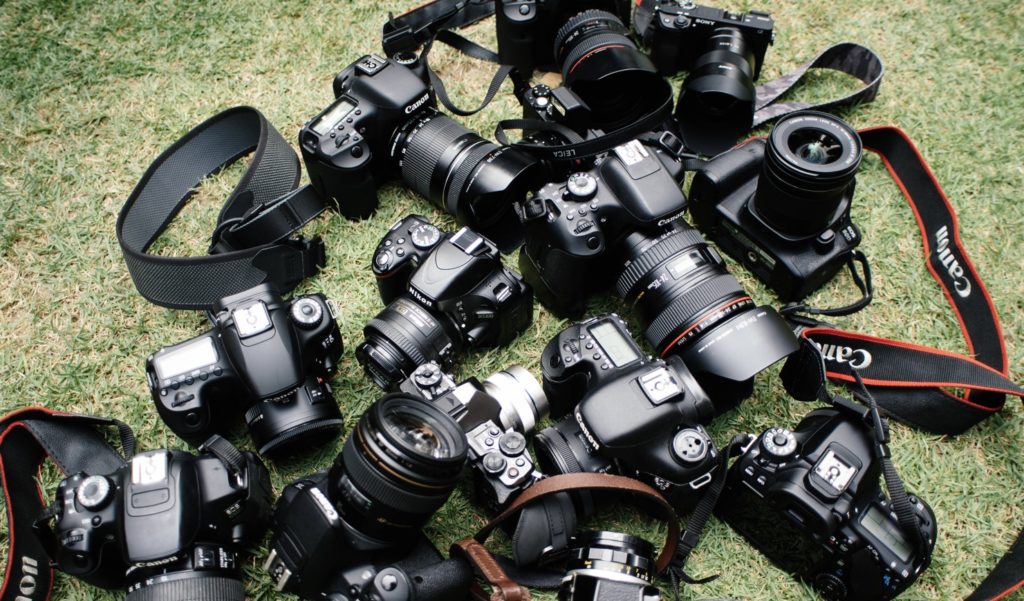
522, 399
297, 421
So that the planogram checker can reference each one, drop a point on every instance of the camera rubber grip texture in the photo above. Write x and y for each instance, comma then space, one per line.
690, 305
653, 256
195, 588
424, 148
444, 581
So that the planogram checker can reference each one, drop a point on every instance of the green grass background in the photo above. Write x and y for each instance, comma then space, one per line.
91, 92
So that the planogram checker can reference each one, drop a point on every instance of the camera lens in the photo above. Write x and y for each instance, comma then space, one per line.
605, 69
693, 307
609, 565
397, 468
187, 585
561, 449
465, 175
716, 104
402, 337
522, 399
305, 417
807, 176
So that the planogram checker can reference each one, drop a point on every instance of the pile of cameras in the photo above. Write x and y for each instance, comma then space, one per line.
175, 525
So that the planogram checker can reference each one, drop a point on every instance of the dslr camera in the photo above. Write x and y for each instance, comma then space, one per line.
621, 223
169, 525
723, 52
353, 532
497, 416
781, 206
264, 355
810, 500
384, 123
639, 418
445, 292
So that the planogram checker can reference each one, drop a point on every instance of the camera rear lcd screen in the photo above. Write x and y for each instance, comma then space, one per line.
614, 345
197, 354
333, 116
878, 524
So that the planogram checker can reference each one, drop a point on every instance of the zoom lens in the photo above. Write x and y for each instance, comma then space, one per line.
401, 338
609, 565
465, 175
693, 307
304, 418
807, 176
716, 104
522, 399
187, 585
606, 70
397, 468
561, 449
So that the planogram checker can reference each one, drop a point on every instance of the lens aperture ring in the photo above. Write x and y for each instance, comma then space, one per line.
691, 304
654, 256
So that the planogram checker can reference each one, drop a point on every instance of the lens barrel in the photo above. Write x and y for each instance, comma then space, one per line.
609, 565
398, 467
810, 161
560, 449
522, 399
189, 585
305, 417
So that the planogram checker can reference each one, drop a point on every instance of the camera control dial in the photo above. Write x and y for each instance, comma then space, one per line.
424, 235
307, 313
778, 443
581, 186
94, 492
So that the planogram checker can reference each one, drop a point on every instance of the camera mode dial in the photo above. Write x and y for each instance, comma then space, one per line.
93, 492
307, 312
581, 186
424, 235
778, 443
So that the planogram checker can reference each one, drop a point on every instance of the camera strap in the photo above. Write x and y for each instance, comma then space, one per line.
414, 28
27, 438
251, 244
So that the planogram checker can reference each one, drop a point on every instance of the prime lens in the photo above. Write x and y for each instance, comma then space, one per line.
807, 176
466, 175
304, 418
397, 468
561, 449
521, 397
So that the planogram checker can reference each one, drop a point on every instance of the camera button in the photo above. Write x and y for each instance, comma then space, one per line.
383, 259
605, 366
400, 252
524, 9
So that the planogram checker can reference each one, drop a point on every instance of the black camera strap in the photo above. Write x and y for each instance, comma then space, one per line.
414, 28
27, 438
251, 244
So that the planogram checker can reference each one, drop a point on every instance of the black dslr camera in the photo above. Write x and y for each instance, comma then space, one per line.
445, 292
640, 418
354, 532
265, 356
723, 52
169, 525
497, 415
811, 502
384, 124
781, 206
622, 223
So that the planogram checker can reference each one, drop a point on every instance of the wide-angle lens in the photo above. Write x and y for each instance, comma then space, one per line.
398, 467
807, 177
521, 397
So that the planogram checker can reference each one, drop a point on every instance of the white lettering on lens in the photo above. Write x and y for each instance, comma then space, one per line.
961, 284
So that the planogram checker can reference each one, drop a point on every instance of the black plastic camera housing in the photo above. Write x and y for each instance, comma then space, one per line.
265, 356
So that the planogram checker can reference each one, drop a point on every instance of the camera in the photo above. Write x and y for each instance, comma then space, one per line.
640, 418
781, 206
497, 415
811, 502
169, 525
609, 566
339, 532
384, 124
621, 223
265, 355
455, 294
723, 52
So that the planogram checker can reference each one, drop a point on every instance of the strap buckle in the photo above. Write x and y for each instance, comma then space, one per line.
291, 261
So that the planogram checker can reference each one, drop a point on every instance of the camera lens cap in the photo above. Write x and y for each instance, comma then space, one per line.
307, 312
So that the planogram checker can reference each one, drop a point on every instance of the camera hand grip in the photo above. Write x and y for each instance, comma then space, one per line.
450, 579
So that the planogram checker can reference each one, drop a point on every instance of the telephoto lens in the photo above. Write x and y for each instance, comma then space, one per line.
716, 104
466, 175
809, 165
606, 70
609, 566
397, 468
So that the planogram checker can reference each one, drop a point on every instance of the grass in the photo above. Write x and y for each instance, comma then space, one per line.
91, 92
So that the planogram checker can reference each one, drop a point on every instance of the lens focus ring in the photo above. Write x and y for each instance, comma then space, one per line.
689, 305
424, 145
653, 256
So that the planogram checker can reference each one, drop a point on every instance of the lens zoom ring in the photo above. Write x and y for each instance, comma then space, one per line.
453, 194
424, 149
380, 490
396, 337
198, 588
690, 304
588, 45
654, 255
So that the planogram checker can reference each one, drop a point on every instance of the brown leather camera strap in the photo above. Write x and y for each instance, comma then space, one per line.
502, 587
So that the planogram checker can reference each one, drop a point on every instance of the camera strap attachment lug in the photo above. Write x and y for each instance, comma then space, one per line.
292, 261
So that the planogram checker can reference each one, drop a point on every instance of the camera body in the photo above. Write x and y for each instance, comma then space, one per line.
679, 31
166, 517
457, 294
751, 201
497, 416
271, 356
526, 29
640, 418
810, 500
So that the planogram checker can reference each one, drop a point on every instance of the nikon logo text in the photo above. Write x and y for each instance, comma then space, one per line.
27, 584
961, 284
412, 107
857, 358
